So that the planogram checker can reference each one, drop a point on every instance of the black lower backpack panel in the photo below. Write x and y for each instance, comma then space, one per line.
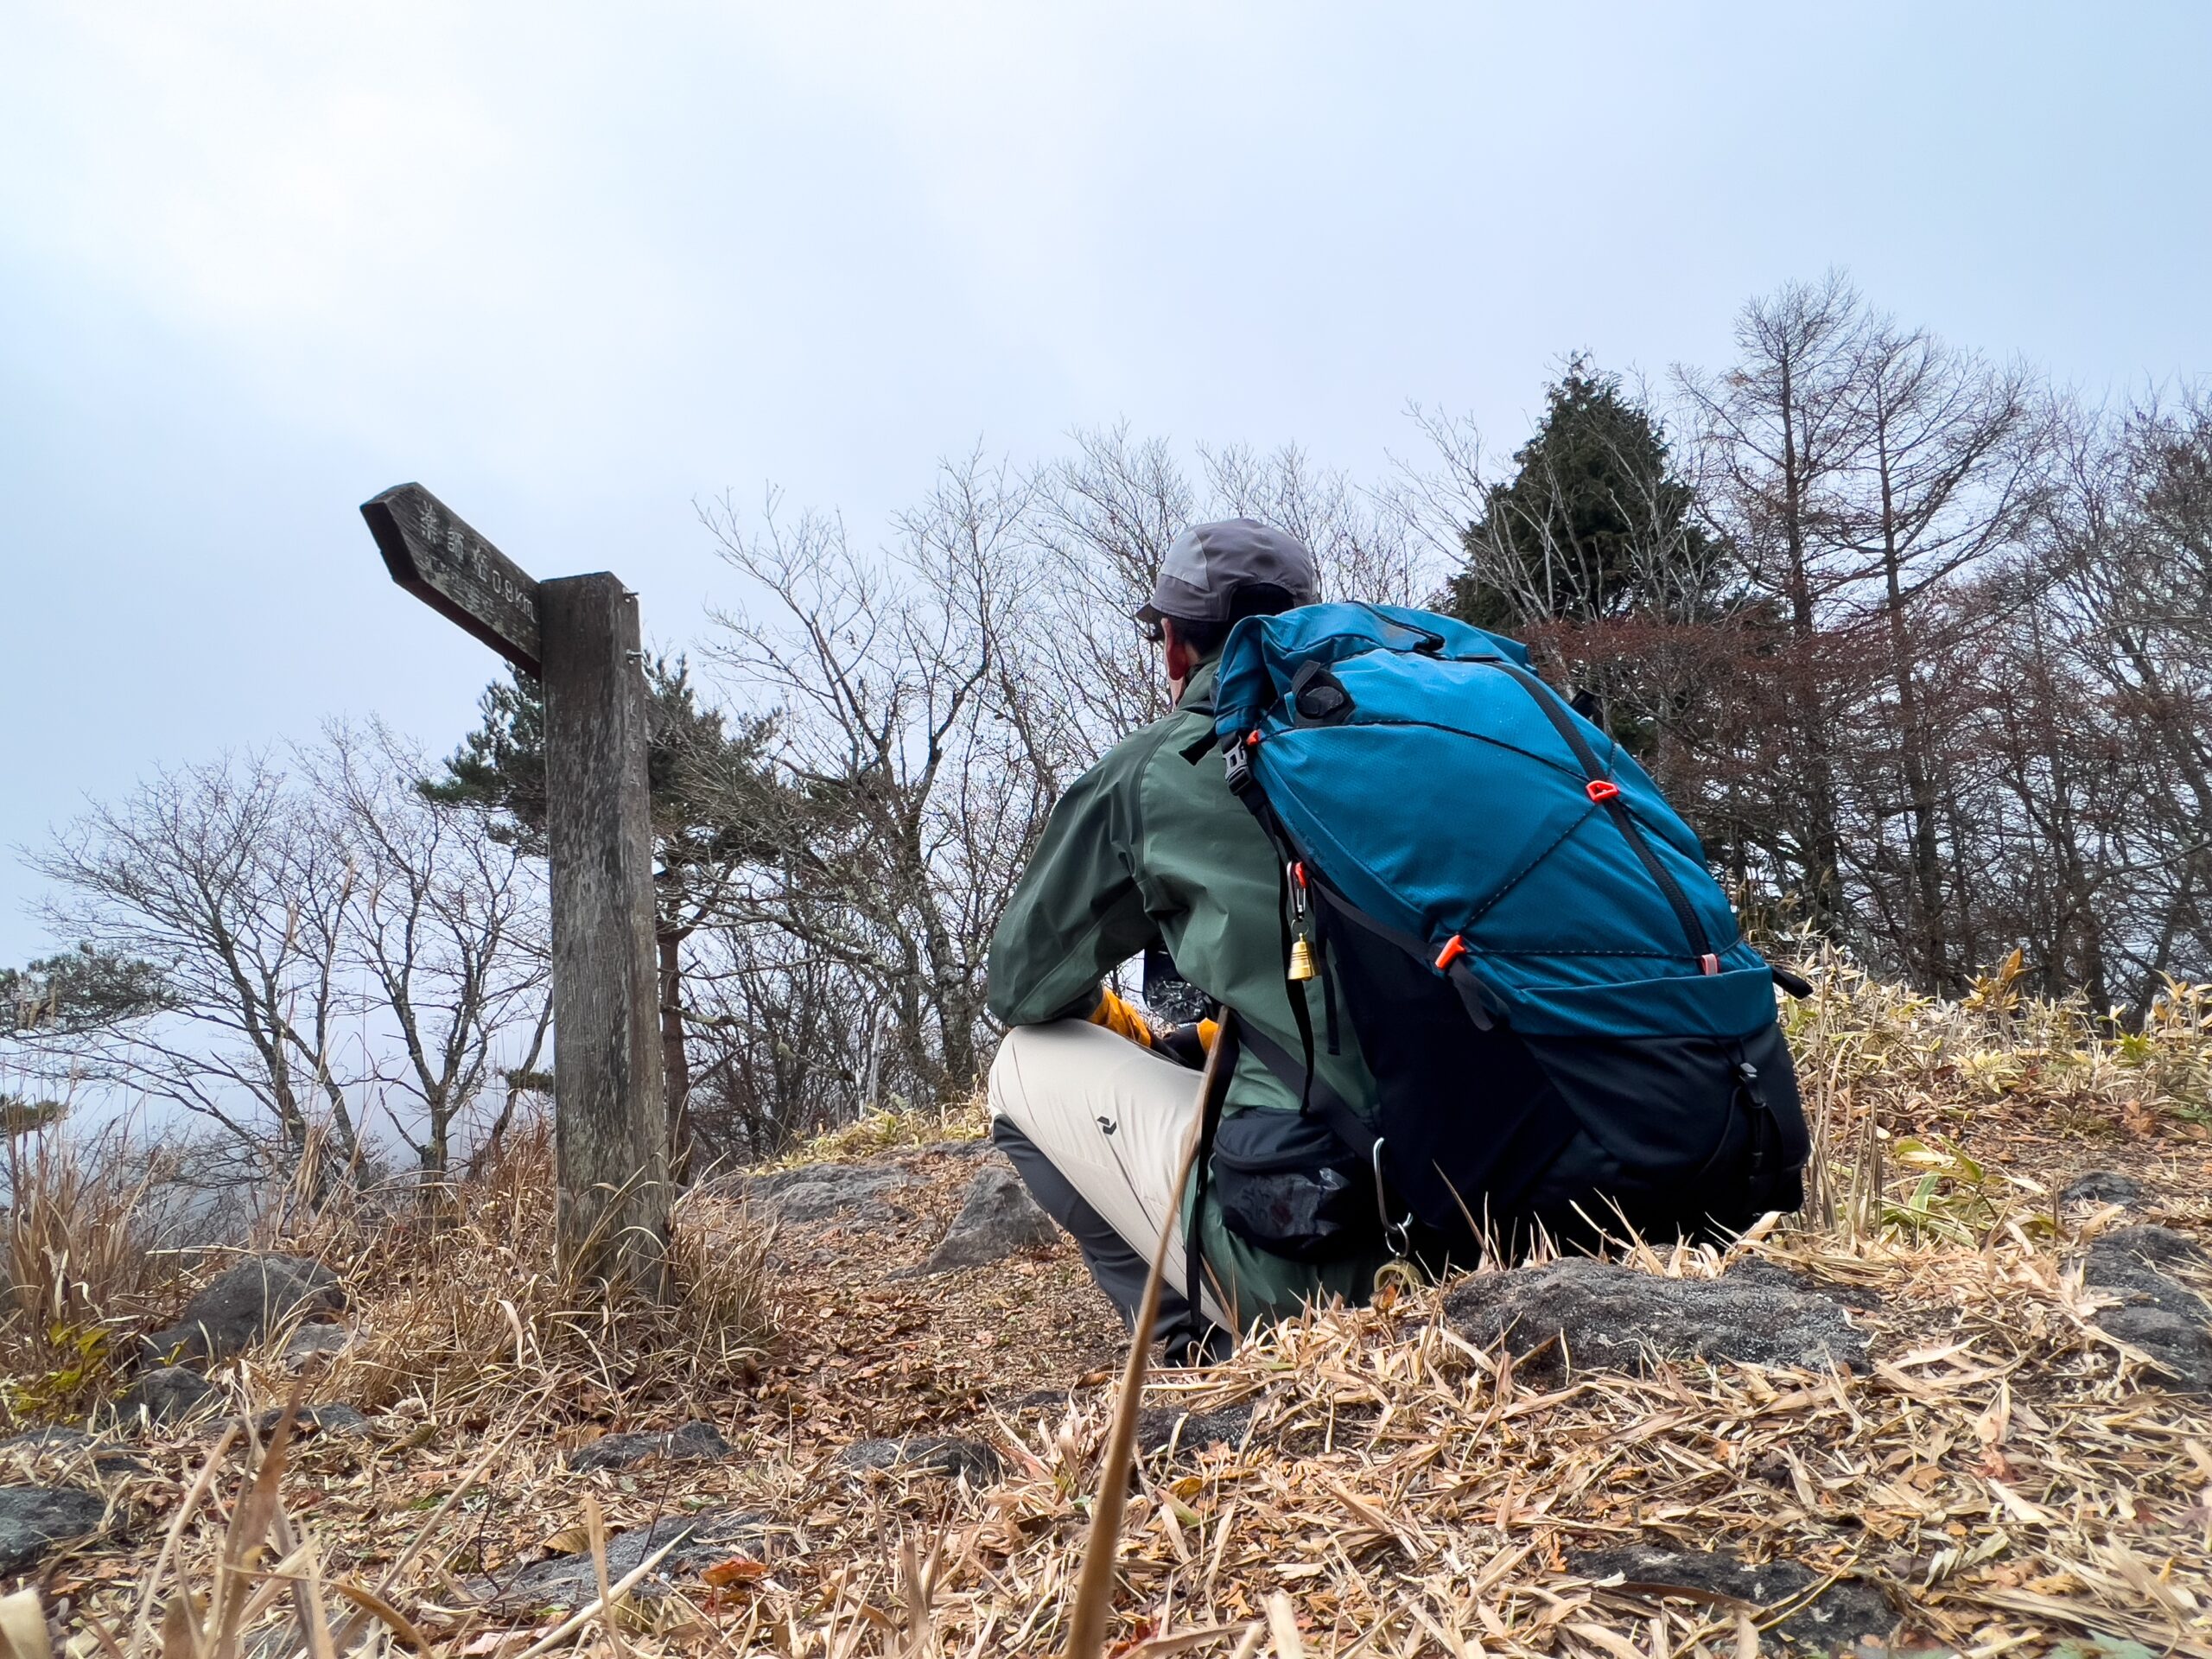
1469, 1120
1487, 1130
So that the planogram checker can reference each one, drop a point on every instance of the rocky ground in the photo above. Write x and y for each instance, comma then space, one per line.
1999, 1444
885, 1332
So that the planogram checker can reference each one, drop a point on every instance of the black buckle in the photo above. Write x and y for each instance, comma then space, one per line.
1240, 771
1764, 1126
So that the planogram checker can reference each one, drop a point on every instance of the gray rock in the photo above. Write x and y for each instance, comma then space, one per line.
1609, 1318
997, 1218
313, 1341
1831, 1623
2160, 1246
2180, 1347
168, 1394
34, 1519
2104, 1187
333, 1418
817, 1192
2157, 1314
570, 1581
924, 1454
693, 1442
1160, 1427
1758, 1270
242, 1304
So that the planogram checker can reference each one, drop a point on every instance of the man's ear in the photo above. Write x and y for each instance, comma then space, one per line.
1175, 656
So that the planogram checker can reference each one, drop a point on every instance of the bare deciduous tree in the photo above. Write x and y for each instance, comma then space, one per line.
789, 1042
214, 874
1784, 429
446, 922
328, 943
2129, 560
1099, 527
915, 791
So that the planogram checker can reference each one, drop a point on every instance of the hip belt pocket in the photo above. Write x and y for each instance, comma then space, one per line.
1288, 1186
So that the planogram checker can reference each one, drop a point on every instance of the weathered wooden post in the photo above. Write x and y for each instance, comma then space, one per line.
610, 1108
579, 636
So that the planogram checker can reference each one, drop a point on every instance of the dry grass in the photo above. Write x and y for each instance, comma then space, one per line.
1402, 1493
873, 1133
1407, 1493
79, 1263
463, 1311
1867, 1046
2002, 1472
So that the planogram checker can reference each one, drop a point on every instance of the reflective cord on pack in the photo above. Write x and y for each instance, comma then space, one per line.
1605, 793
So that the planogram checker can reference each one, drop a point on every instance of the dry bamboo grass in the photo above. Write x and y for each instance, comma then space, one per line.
466, 1312
1921, 1062
2002, 1472
1998, 1473
881, 1131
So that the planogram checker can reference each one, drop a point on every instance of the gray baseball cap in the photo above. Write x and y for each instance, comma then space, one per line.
1208, 565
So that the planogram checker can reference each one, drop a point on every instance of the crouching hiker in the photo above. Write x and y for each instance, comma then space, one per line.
1477, 983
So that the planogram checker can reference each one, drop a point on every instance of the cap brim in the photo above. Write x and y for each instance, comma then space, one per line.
1179, 598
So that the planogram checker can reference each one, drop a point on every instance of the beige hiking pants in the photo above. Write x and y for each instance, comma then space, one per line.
1112, 1118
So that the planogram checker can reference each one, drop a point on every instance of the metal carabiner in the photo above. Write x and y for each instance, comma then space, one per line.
1395, 1233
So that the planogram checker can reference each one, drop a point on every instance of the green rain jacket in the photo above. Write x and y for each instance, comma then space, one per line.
1147, 846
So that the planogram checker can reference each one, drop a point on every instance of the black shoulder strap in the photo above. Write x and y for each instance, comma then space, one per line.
1323, 1101
1223, 1063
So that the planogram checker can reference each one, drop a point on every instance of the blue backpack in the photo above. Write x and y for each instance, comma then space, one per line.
1564, 1027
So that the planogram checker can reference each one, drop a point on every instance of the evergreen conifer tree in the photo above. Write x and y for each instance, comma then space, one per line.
1593, 526
1594, 553
709, 791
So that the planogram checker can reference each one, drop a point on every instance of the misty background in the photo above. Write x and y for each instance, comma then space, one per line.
576, 274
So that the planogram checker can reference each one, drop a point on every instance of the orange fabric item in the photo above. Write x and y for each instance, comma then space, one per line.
1121, 1019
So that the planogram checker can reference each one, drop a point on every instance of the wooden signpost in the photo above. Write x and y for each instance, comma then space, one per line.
579, 636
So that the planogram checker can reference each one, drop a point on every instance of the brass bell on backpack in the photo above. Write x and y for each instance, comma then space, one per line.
1302, 966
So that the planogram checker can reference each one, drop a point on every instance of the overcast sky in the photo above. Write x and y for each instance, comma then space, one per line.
576, 267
